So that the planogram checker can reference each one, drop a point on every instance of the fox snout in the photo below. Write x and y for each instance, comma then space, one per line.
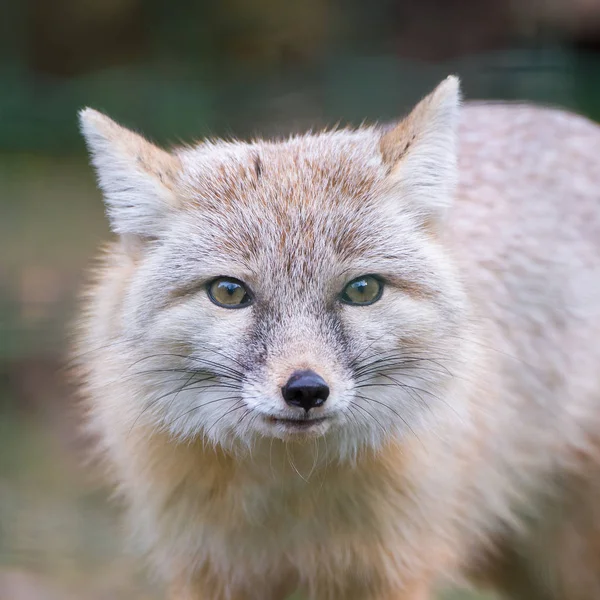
305, 389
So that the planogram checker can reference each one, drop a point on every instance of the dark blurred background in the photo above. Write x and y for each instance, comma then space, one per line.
177, 71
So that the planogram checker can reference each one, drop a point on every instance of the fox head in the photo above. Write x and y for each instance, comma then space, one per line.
283, 289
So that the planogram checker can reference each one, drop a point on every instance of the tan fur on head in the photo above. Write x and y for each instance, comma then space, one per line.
456, 400
295, 230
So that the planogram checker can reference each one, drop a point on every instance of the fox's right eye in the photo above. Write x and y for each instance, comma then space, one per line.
228, 293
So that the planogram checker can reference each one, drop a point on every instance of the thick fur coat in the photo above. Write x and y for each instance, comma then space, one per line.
460, 437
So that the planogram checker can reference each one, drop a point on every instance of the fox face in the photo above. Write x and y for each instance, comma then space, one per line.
291, 289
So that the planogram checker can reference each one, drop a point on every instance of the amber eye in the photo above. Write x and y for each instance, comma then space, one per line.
228, 293
362, 291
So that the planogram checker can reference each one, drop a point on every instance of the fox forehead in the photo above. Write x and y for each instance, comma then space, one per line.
339, 166
310, 201
309, 197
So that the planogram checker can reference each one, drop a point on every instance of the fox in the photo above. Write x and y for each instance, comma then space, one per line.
357, 363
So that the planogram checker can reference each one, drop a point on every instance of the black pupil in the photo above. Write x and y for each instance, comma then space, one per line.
360, 286
229, 287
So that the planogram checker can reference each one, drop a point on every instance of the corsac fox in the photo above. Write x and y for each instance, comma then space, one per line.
355, 363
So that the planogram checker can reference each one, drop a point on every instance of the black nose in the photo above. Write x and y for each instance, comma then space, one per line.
305, 389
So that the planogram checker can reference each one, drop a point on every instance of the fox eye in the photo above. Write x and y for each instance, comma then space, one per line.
228, 293
362, 291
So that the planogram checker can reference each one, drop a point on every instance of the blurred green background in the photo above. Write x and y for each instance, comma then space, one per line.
181, 70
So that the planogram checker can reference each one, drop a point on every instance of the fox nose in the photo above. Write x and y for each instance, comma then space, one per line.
305, 389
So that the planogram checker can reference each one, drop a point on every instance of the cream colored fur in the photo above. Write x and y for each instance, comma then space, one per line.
461, 437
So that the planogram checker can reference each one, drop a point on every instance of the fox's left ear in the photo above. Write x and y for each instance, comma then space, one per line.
136, 177
421, 153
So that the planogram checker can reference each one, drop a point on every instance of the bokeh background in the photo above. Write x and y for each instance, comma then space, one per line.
180, 70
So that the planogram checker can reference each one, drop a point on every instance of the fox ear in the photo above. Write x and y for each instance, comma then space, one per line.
421, 155
136, 177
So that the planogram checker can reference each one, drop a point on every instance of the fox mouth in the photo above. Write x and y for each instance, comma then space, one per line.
298, 424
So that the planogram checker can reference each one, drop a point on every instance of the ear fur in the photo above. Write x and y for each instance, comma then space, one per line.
136, 177
420, 152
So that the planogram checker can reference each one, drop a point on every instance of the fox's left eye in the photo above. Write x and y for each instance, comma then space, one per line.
362, 291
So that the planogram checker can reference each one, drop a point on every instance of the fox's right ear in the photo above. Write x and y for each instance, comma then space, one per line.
136, 177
